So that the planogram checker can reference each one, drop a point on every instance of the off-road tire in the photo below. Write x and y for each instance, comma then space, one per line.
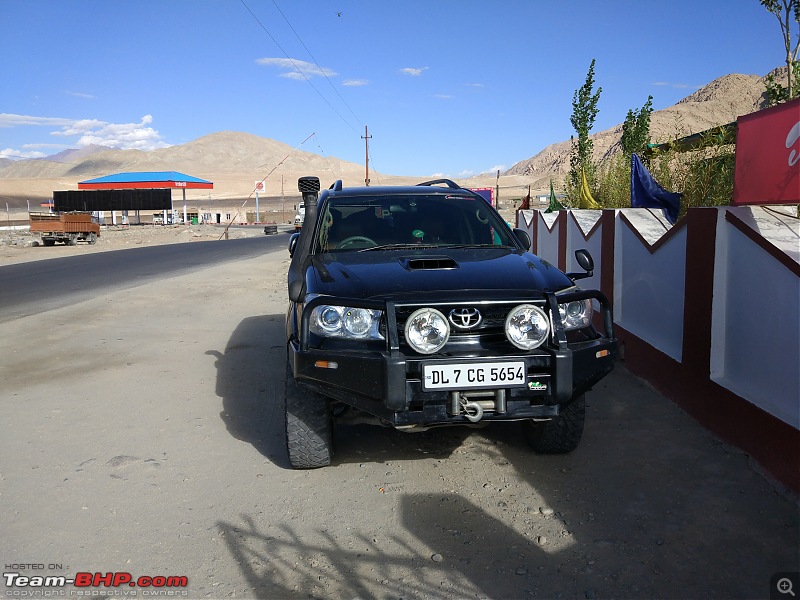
91, 238
48, 242
309, 426
72, 240
560, 435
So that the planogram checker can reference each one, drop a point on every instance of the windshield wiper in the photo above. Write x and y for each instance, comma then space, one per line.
400, 247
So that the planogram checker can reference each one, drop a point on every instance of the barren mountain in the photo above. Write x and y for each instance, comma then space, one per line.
233, 160
718, 103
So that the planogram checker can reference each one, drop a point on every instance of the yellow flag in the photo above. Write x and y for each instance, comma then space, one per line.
586, 200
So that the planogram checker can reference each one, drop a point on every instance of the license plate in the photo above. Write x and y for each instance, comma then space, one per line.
460, 376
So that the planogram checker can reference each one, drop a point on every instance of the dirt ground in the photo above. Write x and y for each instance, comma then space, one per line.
150, 442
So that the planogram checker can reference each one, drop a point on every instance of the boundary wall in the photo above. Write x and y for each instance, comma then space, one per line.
707, 311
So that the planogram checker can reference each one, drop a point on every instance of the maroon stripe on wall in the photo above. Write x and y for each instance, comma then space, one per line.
701, 236
562, 240
770, 441
608, 223
759, 240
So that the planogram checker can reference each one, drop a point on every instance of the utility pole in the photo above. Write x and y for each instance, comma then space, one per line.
497, 190
366, 137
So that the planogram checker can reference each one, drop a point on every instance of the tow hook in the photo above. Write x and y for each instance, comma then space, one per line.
472, 410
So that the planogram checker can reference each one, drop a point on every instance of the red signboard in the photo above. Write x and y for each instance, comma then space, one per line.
768, 156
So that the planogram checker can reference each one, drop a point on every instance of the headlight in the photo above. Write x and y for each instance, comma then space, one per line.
427, 330
527, 326
345, 322
576, 314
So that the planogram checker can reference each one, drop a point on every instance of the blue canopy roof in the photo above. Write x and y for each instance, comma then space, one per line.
146, 176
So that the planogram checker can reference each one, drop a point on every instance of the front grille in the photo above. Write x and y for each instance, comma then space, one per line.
491, 329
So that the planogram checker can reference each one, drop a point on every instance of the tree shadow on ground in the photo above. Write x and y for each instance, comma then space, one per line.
650, 505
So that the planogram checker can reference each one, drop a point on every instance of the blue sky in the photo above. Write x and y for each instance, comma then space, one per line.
451, 87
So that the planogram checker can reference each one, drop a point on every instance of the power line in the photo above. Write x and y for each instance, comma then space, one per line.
321, 70
298, 69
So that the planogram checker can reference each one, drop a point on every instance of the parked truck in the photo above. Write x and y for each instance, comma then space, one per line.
66, 227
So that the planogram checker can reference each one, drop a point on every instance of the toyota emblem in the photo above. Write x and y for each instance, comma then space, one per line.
465, 318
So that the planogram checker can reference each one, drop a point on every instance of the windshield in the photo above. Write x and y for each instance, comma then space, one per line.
384, 222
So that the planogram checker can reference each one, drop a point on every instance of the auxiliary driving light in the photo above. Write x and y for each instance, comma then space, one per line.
527, 326
427, 330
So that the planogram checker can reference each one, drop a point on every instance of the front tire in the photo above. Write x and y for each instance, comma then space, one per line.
560, 435
309, 426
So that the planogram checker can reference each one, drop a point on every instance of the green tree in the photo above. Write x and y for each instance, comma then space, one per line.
584, 112
776, 93
788, 13
636, 130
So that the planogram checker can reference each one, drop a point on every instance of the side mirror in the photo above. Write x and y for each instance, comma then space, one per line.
523, 238
293, 243
586, 263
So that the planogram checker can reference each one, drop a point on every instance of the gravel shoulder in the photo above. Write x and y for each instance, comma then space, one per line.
19, 245
151, 442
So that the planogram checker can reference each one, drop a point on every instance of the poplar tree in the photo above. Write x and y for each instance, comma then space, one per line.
788, 13
636, 130
584, 112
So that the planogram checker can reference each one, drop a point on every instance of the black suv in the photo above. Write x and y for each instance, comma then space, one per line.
420, 306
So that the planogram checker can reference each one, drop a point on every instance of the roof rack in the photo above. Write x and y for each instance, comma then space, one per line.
448, 182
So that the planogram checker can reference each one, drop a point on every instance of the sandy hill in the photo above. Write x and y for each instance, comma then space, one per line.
719, 102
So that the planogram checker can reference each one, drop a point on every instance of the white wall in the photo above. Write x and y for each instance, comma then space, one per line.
755, 348
649, 289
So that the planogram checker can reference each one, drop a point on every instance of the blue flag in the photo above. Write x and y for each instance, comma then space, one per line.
647, 193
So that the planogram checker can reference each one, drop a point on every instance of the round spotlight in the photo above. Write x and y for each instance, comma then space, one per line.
527, 326
427, 330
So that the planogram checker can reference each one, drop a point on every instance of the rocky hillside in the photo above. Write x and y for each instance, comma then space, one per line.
231, 159
719, 102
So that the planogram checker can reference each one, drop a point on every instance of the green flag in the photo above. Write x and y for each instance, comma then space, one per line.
555, 205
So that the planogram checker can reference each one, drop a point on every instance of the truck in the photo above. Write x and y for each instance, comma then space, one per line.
66, 227
299, 218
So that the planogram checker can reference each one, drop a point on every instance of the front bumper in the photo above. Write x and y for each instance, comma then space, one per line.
388, 384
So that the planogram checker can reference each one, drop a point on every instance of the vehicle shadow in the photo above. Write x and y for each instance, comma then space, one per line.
650, 505
357, 440
250, 382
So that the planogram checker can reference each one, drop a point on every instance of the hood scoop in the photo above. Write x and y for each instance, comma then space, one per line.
429, 263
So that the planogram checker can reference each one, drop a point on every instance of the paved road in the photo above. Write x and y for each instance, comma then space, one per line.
142, 432
32, 287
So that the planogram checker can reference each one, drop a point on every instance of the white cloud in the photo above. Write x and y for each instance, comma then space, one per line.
13, 154
79, 95
9, 120
475, 85
355, 82
296, 69
495, 169
123, 136
413, 71
443, 96
672, 85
